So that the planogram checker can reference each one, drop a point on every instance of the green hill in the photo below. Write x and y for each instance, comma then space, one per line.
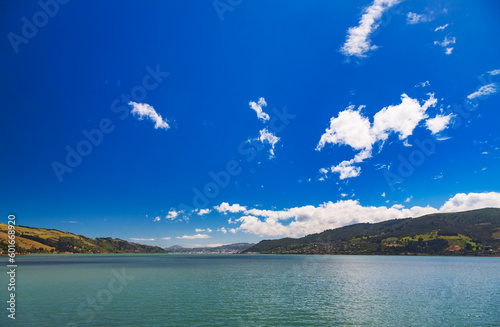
41, 240
474, 232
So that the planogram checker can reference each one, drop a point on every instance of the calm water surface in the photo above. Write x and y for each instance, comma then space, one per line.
254, 290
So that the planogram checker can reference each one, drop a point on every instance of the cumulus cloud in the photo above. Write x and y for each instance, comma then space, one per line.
225, 208
440, 28
203, 230
471, 201
192, 237
141, 239
351, 128
413, 18
144, 110
438, 123
222, 229
257, 106
358, 41
299, 221
202, 212
157, 218
172, 214
484, 91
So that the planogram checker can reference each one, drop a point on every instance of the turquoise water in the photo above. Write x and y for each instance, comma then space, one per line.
254, 290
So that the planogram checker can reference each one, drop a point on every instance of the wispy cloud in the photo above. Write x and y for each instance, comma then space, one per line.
484, 91
192, 237
141, 239
413, 18
268, 137
257, 106
144, 110
441, 28
445, 44
157, 218
423, 84
358, 41
494, 72
203, 230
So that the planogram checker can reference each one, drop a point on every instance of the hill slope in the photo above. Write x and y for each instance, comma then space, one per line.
470, 232
41, 240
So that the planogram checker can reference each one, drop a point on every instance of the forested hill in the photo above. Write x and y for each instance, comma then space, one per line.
475, 232
41, 240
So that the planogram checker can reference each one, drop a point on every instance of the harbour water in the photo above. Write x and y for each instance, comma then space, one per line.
254, 290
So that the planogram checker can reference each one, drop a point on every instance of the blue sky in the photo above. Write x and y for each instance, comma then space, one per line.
288, 119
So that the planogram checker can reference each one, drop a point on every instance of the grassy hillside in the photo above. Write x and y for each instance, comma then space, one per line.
471, 232
41, 240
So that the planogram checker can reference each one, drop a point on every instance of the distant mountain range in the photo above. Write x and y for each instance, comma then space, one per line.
41, 240
474, 232
229, 248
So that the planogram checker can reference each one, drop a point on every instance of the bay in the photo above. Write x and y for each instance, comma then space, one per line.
255, 290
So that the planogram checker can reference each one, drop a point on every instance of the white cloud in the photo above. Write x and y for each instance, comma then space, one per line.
349, 128
225, 208
202, 212
222, 229
358, 41
484, 91
447, 41
494, 72
346, 168
192, 237
409, 199
144, 110
172, 214
413, 18
203, 230
343, 195
423, 84
141, 239
439, 176
270, 138
258, 108
383, 195
157, 218
353, 129
166, 238
471, 201
309, 219
438, 123
445, 44
485, 152
402, 118
440, 28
